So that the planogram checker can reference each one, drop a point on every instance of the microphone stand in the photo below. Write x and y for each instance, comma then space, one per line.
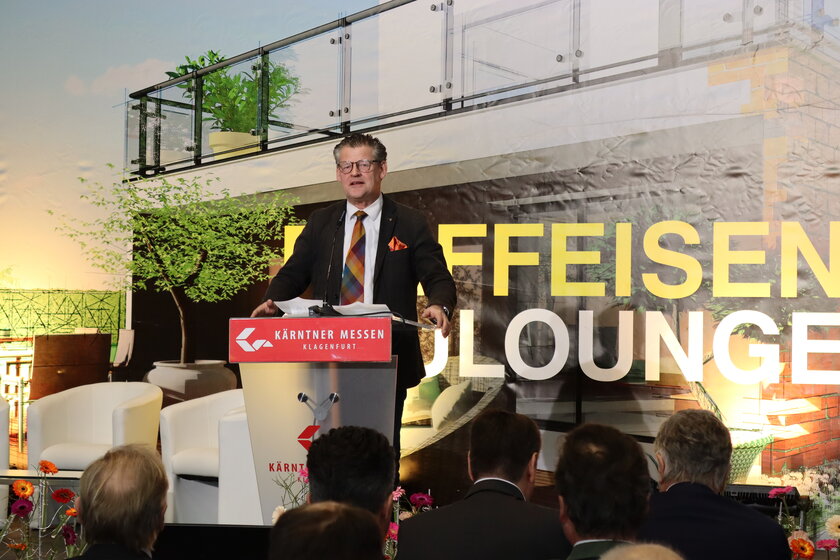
326, 309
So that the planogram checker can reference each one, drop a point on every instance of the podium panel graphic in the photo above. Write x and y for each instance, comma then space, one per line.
288, 404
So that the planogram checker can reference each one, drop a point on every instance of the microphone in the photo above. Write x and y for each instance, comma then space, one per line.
326, 309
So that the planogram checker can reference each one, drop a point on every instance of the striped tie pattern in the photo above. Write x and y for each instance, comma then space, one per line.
353, 279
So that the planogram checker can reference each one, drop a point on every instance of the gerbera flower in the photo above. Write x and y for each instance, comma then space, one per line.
22, 507
827, 544
421, 500
832, 525
69, 535
779, 492
303, 475
63, 495
393, 530
22, 488
47, 467
397, 494
71, 512
802, 548
17, 546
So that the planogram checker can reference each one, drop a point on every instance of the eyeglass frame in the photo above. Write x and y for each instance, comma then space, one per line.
370, 163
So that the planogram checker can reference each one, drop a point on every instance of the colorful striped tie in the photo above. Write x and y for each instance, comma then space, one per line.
353, 279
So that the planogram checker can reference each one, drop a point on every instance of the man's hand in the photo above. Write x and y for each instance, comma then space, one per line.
265, 309
435, 314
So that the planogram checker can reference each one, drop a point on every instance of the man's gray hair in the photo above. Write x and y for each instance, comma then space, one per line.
696, 447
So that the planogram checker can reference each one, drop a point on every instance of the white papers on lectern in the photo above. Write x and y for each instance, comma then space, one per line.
299, 307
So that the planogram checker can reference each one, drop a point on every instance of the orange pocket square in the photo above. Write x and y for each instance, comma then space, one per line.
396, 245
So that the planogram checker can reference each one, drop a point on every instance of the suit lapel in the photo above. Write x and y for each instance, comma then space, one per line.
386, 231
336, 234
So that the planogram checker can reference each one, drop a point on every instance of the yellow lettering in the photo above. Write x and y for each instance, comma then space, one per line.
561, 257
448, 232
658, 254
504, 258
724, 257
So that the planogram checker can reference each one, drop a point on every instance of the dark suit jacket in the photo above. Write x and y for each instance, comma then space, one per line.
592, 550
699, 524
110, 552
395, 277
493, 521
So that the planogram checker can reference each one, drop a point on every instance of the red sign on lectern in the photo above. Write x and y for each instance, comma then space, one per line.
316, 339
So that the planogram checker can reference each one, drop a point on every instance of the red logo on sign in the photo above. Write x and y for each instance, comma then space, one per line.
305, 437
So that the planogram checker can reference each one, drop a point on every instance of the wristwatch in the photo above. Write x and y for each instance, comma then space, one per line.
447, 312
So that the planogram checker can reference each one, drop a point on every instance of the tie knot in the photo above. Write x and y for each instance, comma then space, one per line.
360, 215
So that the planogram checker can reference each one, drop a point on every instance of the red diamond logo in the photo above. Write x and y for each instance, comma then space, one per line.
305, 437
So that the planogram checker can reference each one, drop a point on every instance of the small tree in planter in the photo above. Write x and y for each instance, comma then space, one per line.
184, 237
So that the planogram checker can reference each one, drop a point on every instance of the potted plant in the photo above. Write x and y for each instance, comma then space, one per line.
232, 99
185, 236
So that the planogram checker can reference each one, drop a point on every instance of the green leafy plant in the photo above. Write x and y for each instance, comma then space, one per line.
232, 99
185, 236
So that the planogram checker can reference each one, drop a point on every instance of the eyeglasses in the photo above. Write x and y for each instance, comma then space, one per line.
363, 165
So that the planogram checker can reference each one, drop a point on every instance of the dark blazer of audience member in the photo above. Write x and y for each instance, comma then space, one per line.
122, 499
326, 530
355, 466
494, 520
603, 486
693, 452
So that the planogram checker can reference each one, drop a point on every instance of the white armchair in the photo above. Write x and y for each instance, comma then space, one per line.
75, 427
206, 450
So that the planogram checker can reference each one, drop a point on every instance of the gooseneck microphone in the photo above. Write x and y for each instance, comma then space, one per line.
326, 309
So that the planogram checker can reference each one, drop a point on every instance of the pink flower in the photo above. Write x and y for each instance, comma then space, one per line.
779, 492
303, 475
22, 507
421, 500
397, 494
393, 529
827, 544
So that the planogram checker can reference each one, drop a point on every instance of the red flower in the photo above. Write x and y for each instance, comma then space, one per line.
827, 544
22, 507
779, 492
63, 495
421, 500
393, 530
17, 546
69, 535
71, 512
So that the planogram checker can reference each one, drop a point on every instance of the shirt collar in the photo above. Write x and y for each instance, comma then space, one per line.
518, 489
372, 211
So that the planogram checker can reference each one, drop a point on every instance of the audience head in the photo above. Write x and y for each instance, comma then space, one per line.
352, 465
603, 484
326, 530
693, 446
359, 140
504, 445
641, 552
122, 497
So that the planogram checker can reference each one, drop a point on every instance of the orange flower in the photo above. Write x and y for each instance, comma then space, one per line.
71, 512
802, 548
17, 546
22, 488
47, 467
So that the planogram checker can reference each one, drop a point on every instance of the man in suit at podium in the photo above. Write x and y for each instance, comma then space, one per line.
368, 248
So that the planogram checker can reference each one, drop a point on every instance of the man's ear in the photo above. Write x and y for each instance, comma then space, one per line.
562, 508
660, 464
532, 467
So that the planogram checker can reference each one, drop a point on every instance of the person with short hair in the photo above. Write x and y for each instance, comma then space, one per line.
693, 452
326, 530
353, 465
603, 485
121, 503
495, 519
368, 248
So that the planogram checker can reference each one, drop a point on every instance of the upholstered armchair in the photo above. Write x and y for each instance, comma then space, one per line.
75, 427
206, 451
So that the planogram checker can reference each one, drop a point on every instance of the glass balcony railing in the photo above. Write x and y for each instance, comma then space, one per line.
404, 61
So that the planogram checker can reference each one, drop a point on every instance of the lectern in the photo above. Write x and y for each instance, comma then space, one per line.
303, 376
